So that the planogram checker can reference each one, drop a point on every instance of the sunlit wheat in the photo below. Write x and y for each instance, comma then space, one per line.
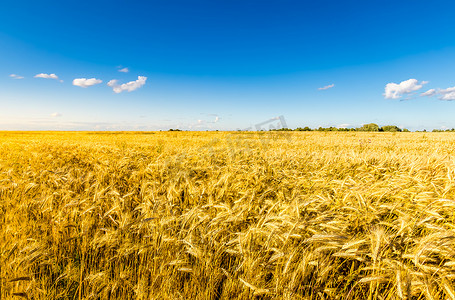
227, 215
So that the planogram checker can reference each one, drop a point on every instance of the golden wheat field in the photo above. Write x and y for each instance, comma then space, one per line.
227, 215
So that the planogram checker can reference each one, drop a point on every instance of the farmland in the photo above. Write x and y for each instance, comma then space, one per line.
227, 215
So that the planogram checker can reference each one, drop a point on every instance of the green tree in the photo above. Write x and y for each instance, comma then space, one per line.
369, 127
306, 128
390, 128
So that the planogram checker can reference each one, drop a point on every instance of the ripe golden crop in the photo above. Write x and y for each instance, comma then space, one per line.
227, 215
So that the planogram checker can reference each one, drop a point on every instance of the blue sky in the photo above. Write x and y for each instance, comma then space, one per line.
225, 64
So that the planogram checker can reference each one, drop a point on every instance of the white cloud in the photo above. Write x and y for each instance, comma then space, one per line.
46, 76
429, 93
15, 76
447, 94
56, 114
112, 82
124, 70
326, 87
84, 82
130, 86
395, 91
343, 125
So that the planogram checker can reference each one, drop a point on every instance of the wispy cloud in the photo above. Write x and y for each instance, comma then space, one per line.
429, 93
447, 94
343, 125
395, 91
84, 82
15, 76
326, 87
46, 76
55, 123
124, 70
216, 120
56, 115
129, 87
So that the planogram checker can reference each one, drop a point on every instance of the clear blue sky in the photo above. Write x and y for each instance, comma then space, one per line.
225, 64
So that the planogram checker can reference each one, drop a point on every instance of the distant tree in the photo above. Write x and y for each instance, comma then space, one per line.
306, 128
369, 127
390, 128
281, 129
405, 130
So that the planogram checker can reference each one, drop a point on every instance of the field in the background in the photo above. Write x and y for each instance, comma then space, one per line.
219, 215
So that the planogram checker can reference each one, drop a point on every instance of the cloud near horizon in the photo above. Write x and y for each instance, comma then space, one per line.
326, 87
46, 76
129, 86
15, 76
396, 91
84, 82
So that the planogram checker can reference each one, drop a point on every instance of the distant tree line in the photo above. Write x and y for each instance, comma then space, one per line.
444, 130
371, 127
367, 127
